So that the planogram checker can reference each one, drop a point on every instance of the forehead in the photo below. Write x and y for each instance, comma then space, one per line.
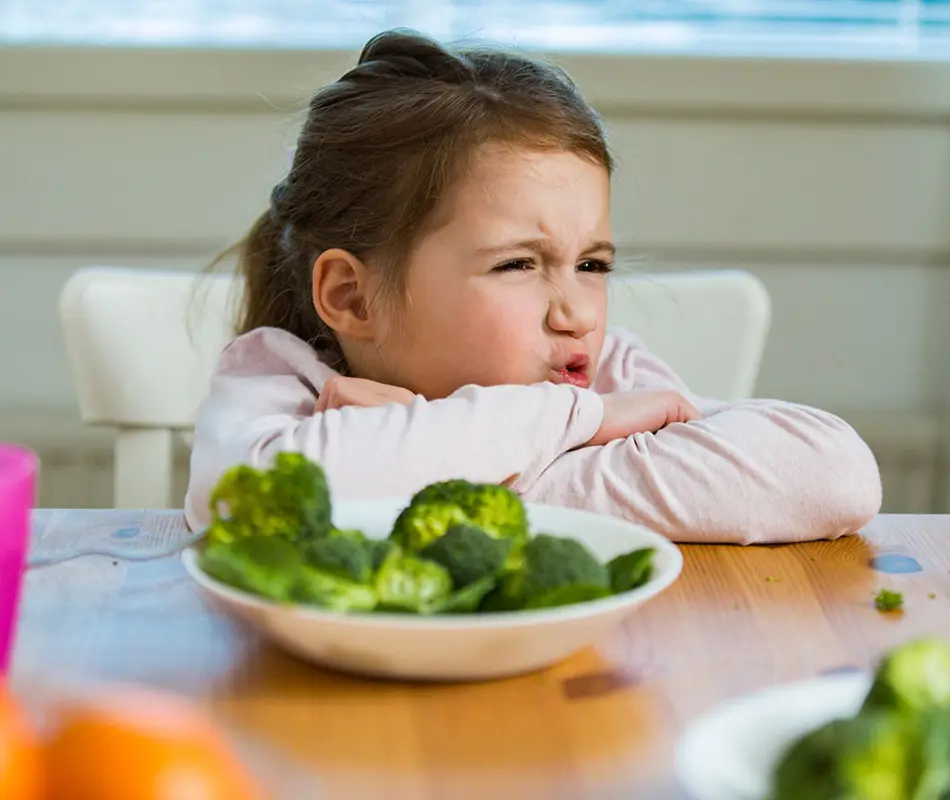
538, 192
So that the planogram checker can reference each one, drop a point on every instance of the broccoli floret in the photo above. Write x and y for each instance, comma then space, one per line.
874, 756
556, 571
421, 523
439, 506
914, 677
935, 772
630, 570
468, 553
291, 500
407, 583
320, 588
346, 553
264, 565
466, 600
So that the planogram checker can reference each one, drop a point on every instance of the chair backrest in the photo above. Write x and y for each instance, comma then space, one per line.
709, 326
143, 344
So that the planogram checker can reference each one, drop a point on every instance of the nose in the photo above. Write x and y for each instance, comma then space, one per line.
572, 313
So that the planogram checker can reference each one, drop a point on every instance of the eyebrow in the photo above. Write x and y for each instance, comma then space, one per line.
542, 246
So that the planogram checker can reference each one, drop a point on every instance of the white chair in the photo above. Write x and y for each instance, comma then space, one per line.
143, 343
709, 326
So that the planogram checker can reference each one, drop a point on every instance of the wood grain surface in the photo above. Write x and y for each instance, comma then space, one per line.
601, 725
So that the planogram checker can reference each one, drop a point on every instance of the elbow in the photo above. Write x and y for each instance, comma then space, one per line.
838, 492
853, 490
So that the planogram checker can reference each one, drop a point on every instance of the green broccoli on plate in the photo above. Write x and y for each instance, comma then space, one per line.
897, 747
456, 548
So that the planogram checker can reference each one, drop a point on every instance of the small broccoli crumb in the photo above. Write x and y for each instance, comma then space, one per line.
772, 579
886, 600
932, 596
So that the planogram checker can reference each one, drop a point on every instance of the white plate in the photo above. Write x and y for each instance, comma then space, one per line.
453, 647
730, 752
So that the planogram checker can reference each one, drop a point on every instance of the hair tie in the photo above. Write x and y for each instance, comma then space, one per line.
277, 201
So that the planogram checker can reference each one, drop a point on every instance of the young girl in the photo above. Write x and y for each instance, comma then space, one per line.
426, 299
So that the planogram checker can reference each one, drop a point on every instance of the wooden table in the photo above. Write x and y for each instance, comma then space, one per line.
600, 725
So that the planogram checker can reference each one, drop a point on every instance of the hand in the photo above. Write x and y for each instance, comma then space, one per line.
626, 413
339, 392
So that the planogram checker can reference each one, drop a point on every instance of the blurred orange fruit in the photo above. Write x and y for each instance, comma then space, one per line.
133, 744
20, 774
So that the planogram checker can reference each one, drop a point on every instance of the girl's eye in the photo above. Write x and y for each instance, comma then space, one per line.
595, 265
519, 265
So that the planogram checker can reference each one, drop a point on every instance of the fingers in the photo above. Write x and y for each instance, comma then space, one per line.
339, 392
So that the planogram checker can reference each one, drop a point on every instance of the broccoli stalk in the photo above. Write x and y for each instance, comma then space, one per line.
407, 583
324, 589
264, 565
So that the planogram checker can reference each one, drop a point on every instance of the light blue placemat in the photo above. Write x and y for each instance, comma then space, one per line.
60, 535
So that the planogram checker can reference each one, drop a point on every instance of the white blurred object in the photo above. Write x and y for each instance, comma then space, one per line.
709, 326
142, 345
731, 752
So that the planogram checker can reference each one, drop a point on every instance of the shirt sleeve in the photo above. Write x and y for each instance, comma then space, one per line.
499, 434
754, 471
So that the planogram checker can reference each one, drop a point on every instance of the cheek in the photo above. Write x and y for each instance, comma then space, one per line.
503, 319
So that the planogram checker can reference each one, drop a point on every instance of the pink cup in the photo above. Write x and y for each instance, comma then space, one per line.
18, 468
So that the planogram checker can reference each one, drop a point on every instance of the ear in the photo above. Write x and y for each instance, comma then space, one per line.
341, 294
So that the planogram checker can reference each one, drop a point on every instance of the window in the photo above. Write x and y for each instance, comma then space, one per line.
909, 27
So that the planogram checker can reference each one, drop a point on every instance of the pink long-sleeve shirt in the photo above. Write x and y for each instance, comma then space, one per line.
752, 471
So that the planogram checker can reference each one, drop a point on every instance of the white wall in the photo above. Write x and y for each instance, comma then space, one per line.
830, 180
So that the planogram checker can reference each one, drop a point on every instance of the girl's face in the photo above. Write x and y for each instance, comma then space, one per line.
512, 288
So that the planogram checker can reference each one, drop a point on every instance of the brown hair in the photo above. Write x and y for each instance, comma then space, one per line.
380, 149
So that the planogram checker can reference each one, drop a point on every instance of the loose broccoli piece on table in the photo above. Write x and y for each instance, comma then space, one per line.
913, 677
320, 588
465, 600
556, 571
407, 583
874, 756
264, 565
346, 553
468, 553
630, 570
291, 500
886, 600
439, 506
